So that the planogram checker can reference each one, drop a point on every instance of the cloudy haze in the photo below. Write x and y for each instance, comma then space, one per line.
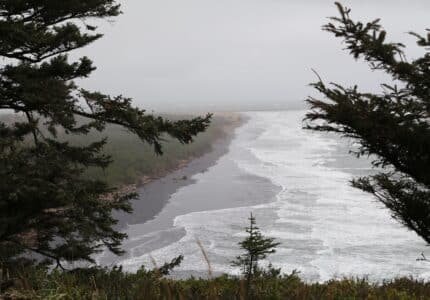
222, 55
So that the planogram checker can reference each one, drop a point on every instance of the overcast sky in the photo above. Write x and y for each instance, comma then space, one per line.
236, 55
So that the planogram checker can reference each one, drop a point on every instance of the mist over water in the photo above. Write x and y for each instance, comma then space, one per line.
326, 228
202, 55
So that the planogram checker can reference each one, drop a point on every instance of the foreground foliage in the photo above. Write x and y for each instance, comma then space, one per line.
391, 126
48, 209
256, 247
33, 283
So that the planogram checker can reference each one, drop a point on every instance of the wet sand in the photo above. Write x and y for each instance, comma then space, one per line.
152, 224
154, 195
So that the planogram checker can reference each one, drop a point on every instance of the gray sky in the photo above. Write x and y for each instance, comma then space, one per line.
236, 55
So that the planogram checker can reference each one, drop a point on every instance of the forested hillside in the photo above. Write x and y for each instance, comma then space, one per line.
135, 162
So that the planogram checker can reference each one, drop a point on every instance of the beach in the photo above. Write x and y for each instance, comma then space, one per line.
155, 192
296, 183
155, 212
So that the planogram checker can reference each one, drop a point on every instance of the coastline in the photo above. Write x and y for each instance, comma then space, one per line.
321, 222
208, 184
154, 191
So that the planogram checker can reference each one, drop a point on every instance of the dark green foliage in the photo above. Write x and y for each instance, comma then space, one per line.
36, 283
392, 126
257, 247
46, 206
132, 160
168, 267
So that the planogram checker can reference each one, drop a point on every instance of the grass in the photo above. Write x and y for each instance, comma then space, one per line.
36, 283
134, 160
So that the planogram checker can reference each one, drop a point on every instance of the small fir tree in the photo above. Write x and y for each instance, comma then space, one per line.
257, 247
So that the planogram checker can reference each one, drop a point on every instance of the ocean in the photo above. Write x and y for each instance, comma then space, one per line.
297, 184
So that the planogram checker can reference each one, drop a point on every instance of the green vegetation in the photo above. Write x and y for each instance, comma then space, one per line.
134, 161
257, 247
115, 284
29, 282
57, 174
48, 207
392, 126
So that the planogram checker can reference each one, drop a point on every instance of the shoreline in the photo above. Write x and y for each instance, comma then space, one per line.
162, 205
154, 191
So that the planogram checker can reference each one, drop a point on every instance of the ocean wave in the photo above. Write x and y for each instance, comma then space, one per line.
326, 228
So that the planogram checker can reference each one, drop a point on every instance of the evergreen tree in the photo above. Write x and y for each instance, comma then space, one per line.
46, 206
392, 126
257, 247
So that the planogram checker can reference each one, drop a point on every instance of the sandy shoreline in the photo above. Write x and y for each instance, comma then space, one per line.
224, 186
154, 192
326, 228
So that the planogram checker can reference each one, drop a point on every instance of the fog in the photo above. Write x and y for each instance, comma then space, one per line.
236, 55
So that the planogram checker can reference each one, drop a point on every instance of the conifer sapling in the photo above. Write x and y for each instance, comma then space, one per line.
257, 247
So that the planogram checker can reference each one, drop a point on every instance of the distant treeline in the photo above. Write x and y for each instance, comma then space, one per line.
133, 161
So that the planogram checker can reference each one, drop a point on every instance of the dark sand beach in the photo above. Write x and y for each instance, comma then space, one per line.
151, 225
154, 195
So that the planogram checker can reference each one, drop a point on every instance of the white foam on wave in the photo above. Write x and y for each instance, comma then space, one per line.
359, 238
327, 228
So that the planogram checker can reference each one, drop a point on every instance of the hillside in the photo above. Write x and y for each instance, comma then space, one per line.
135, 162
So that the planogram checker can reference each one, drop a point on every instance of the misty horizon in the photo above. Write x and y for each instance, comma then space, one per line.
242, 56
